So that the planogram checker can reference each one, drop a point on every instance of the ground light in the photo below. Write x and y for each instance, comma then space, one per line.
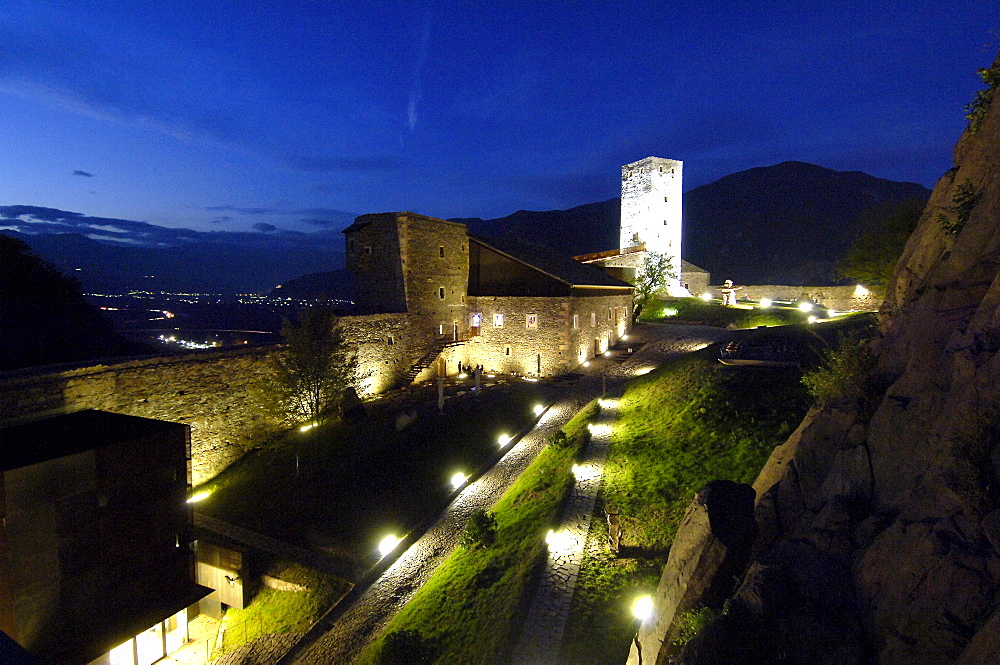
538, 409
307, 427
200, 496
624, 338
607, 403
503, 439
559, 541
388, 544
642, 609
805, 306
599, 429
458, 480
706, 296
765, 303
586, 363
607, 353
812, 319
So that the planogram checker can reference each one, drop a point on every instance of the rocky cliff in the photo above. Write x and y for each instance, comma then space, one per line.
880, 519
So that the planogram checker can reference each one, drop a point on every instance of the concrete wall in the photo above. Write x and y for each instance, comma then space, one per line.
840, 298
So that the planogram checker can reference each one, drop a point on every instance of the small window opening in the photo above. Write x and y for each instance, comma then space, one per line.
441, 251
389, 340
507, 351
441, 292
368, 250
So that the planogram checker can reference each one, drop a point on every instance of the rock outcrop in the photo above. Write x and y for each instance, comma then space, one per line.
880, 521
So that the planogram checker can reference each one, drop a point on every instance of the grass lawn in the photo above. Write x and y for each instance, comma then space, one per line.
342, 487
274, 611
743, 315
678, 427
471, 608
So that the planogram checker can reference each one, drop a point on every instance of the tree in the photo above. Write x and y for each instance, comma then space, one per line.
871, 258
650, 278
314, 367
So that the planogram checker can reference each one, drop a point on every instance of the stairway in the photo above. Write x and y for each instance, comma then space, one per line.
428, 359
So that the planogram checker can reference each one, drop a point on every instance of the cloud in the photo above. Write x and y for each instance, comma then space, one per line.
221, 220
83, 173
264, 227
416, 92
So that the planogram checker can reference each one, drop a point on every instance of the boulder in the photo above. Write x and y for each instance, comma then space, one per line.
709, 552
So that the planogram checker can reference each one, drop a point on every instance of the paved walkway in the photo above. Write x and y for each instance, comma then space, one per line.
542, 636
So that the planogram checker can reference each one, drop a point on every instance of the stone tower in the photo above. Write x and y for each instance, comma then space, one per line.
651, 208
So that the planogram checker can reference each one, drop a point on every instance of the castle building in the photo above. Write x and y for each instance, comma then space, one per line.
433, 298
651, 221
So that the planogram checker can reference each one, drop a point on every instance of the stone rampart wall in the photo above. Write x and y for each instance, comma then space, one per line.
211, 392
840, 298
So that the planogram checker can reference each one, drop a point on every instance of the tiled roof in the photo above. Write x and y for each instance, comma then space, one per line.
555, 265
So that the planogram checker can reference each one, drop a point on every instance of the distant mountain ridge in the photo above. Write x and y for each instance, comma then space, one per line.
781, 224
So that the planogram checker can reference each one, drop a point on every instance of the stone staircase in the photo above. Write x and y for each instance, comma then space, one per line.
428, 358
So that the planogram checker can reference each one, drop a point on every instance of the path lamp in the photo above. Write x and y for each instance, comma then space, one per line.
538, 409
388, 544
503, 440
765, 303
642, 609
458, 480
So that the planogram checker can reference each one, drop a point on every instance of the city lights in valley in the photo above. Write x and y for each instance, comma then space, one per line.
388, 544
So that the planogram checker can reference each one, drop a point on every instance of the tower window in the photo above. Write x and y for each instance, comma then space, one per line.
498, 320
441, 251
664, 222
389, 340
576, 321
593, 319
665, 198
368, 250
441, 292
507, 351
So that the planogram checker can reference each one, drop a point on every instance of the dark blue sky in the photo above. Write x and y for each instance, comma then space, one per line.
222, 116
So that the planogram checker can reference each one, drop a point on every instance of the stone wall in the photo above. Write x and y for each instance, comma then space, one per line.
554, 345
387, 348
840, 298
211, 392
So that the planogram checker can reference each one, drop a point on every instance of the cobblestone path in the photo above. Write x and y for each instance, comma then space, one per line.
341, 638
541, 638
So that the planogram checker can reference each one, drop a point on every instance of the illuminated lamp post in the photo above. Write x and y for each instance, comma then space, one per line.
642, 609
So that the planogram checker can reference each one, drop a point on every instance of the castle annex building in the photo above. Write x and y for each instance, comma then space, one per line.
447, 298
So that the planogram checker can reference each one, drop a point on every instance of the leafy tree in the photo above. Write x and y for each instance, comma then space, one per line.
975, 111
314, 367
871, 258
650, 278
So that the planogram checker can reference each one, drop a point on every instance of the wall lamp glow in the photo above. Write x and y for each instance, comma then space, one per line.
642, 607
200, 496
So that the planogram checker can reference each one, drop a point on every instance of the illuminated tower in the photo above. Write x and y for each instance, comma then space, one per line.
651, 208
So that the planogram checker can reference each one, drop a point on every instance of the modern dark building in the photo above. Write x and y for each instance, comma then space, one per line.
96, 564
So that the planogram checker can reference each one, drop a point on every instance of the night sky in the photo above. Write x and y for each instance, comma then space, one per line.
298, 116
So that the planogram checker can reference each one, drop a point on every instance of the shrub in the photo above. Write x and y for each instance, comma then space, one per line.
692, 623
406, 647
480, 530
964, 199
845, 373
976, 110
558, 439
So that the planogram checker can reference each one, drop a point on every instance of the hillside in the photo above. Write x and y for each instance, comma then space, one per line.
781, 224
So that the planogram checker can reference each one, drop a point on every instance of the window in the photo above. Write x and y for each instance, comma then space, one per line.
389, 340
665, 223
609, 313
441, 251
368, 250
576, 321
531, 321
665, 198
593, 319
498, 320
441, 292
350, 245
440, 328
506, 351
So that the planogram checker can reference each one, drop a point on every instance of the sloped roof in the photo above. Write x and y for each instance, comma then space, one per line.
555, 265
